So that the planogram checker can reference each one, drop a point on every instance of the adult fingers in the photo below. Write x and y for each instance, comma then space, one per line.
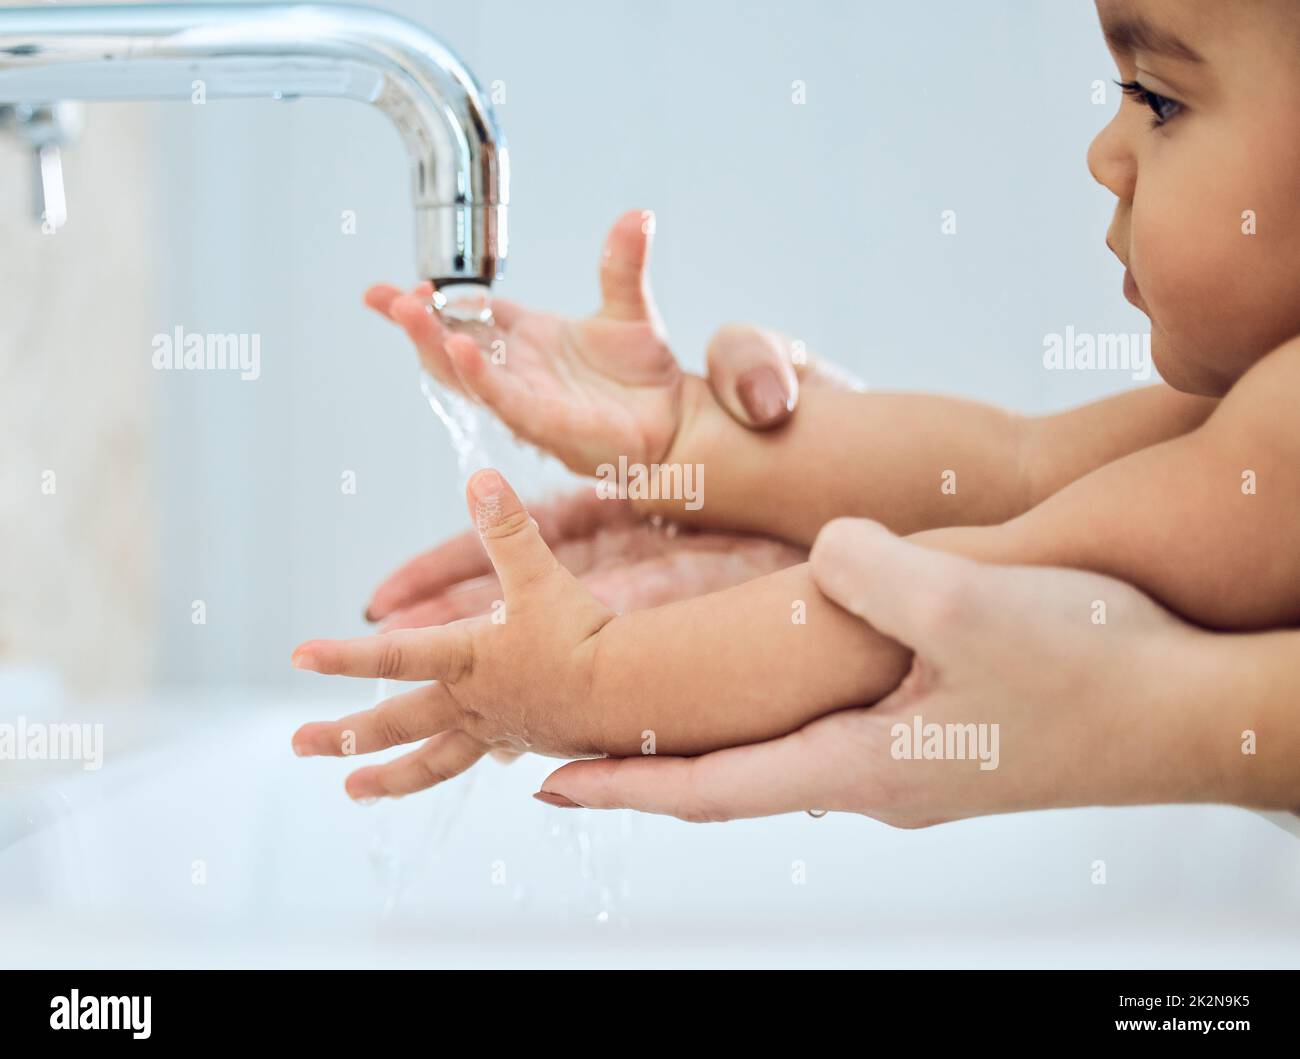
458, 559
924, 598
757, 374
780, 776
575, 515
752, 374
469, 599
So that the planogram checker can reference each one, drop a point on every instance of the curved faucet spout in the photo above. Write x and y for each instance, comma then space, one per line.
459, 165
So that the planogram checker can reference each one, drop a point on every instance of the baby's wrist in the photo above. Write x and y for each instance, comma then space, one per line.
677, 480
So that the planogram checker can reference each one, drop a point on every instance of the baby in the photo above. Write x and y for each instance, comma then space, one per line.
1190, 490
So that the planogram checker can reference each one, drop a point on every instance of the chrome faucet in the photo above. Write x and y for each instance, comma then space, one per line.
196, 52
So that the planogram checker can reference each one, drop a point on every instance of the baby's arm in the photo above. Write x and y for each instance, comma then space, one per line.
1177, 519
1171, 518
561, 674
739, 666
555, 671
1206, 523
886, 457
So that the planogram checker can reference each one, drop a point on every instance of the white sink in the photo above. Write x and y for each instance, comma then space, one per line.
210, 844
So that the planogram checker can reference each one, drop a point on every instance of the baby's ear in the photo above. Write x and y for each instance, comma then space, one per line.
510, 535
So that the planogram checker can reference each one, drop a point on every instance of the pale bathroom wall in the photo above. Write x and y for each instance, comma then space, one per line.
821, 218
78, 504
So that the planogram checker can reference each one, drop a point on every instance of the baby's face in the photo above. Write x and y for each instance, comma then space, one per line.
1209, 131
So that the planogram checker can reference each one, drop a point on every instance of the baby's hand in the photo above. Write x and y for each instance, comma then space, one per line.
517, 679
588, 391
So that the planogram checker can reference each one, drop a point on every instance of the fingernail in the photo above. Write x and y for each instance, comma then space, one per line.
300, 750
486, 488
557, 800
486, 484
763, 394
370, 800
303, 660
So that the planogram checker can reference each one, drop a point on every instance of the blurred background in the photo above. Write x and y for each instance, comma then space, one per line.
822, 218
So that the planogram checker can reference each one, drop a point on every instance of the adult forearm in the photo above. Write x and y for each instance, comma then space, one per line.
1247, 691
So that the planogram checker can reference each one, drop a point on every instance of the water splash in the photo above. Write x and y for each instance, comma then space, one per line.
478, 439
467, 312
399, 851
595, 843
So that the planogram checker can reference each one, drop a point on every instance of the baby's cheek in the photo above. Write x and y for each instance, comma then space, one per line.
1219, 246
1195, 272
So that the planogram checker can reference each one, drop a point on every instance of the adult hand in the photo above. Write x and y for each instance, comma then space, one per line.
1080, 681
624, 560
756, 374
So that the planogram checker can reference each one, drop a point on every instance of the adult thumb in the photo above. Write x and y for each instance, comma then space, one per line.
752, 374
919, 596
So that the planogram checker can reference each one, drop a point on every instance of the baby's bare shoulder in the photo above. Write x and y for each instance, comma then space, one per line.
1274, 377
1262, 404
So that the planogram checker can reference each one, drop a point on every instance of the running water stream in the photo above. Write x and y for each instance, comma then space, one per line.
410, 832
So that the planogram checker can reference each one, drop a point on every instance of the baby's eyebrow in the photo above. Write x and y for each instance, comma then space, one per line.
1134, 33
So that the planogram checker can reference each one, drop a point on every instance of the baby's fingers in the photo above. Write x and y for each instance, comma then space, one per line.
624, 281
411, 313
446, 755
512, 402
381, 296
444, 653
402, 719
425, 329
511, 538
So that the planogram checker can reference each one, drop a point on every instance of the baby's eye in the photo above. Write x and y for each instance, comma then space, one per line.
1162, 107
